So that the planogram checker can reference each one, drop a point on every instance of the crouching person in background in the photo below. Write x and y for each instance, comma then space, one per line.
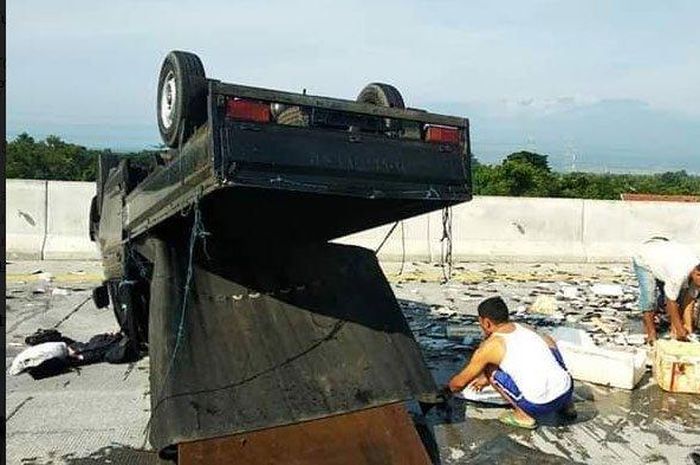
672, 270
524, 367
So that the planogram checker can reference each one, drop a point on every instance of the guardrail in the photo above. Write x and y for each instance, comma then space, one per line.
49, 220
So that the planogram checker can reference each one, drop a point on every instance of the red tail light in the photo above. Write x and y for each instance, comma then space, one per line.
442, 134
248, 110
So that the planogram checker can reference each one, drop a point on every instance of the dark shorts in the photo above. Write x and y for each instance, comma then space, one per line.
508, 386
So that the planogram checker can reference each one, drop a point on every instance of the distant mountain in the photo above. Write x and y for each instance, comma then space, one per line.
588, 135
605, 135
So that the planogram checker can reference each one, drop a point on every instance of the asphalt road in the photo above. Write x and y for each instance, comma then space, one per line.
99, 414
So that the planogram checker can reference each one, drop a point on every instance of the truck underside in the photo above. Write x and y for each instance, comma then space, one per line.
217, 259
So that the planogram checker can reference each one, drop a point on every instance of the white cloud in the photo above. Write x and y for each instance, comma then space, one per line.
87, 62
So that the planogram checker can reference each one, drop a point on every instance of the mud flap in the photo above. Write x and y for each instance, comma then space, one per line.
273, 337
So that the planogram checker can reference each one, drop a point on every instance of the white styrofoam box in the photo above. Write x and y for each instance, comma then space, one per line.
622, 368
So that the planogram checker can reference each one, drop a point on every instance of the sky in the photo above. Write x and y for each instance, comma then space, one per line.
595, 84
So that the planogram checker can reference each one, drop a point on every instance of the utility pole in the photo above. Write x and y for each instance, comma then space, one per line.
530, 143
571, 153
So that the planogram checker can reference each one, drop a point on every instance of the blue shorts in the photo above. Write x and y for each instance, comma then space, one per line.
649, 287
508, 386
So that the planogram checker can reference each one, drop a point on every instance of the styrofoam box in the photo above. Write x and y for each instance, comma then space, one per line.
622, 368
611, 367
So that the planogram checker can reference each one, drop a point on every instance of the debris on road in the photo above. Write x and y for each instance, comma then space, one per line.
607, 290
545, 305
569, 292
50, 353
468, 335
603, 313
35, 356
42, 336
647, 419
43, 283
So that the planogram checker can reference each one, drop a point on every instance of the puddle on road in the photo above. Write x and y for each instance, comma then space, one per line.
506, 450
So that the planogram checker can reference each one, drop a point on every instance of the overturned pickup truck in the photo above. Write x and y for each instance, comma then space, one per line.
217, 257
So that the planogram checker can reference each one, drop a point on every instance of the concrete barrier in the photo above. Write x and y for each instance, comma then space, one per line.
493, 228
489, 229
538, 229
25, 219
410, 239
50, 220
68, 213
613, 229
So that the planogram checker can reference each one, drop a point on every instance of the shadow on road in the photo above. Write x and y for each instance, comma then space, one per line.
110, 455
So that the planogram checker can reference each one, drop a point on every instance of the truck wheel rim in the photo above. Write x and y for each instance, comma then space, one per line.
168, 97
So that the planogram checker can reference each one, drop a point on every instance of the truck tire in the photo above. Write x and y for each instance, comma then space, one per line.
100, 296
130, 307
182, 97
383, 95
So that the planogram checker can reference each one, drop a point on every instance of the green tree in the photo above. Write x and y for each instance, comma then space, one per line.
529, 174
519, 174
530, 158
55, 159
49, 159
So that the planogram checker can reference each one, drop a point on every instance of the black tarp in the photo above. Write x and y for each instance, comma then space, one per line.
273, 337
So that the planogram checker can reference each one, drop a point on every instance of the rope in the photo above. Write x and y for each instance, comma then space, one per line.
386, 237
137, 261
403, 249
446, 244
403, 244
198, 232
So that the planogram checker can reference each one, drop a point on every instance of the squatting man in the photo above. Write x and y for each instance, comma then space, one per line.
526, 368
671, 270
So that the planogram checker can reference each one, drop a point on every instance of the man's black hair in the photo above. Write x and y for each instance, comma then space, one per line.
495, 309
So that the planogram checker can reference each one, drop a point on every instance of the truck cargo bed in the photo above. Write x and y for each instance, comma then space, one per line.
332, 180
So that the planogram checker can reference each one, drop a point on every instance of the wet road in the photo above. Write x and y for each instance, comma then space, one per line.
98, 415
645, 425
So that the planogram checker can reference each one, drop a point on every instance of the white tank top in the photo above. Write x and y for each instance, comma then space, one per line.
530, 363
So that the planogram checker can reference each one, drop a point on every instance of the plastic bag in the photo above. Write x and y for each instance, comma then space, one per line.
38, 354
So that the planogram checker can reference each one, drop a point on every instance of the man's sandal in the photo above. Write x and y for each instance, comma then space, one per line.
510, 419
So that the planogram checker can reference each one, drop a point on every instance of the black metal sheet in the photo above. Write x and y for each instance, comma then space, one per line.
253, 215
274, 337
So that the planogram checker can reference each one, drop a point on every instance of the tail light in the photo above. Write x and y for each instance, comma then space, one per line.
442, 134
248, 110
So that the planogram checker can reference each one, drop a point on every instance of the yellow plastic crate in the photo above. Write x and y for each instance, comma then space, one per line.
677, 366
